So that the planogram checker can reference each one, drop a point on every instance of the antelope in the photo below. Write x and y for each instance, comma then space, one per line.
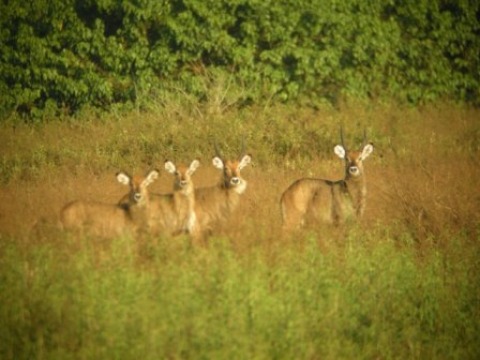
173, 213
109, 220
329, 201
216, 203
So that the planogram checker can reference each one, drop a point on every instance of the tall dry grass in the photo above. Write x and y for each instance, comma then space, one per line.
422, 174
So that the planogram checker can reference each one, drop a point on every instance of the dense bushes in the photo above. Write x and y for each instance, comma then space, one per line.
66, 54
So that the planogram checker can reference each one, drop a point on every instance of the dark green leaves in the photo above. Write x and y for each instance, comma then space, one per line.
71, 54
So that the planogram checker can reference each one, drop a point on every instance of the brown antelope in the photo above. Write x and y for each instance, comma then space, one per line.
108, 220
173, 213
326, 200
215, 204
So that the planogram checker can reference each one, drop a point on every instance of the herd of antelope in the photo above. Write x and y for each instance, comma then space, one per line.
194, 211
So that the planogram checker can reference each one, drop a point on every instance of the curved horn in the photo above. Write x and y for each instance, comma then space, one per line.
243, 149
217, 149
341, 137
364, 142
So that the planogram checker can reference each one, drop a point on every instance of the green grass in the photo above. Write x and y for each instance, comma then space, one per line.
123, 300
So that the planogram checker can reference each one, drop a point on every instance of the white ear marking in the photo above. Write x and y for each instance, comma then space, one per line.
245, 161
123, 178
339, 150
193, 167
170, 167
218, 163
151, 177
367, 150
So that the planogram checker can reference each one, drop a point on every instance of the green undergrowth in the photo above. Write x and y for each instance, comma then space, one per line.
366, 297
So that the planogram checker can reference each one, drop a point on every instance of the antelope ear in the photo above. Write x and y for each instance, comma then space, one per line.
244, 162
170, 167
218, 163
339, 150
151, 177
123, 178
367, 150
193, 166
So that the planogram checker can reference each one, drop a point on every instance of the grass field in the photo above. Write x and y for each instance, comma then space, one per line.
403, 283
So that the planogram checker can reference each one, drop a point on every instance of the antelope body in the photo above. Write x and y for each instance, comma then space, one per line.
215, 204
173, 213
328, 201
108, 220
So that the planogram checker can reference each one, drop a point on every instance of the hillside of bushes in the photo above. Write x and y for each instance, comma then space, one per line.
61, 56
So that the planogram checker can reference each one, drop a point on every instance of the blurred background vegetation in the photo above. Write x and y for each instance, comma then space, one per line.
58, 57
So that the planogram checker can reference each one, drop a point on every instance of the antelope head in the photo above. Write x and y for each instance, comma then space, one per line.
353, 158
182, 173
138, 185
232, 178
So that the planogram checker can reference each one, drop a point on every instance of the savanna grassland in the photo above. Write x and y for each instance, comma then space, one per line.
403, 283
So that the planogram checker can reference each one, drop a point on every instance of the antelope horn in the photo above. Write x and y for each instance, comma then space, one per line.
242, 151
217, 150
341, 137
364, 137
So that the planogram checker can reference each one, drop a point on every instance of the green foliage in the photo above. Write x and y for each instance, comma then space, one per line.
82, 299
62, 55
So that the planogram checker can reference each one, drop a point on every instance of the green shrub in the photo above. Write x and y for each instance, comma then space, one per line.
78, 298
60, 56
